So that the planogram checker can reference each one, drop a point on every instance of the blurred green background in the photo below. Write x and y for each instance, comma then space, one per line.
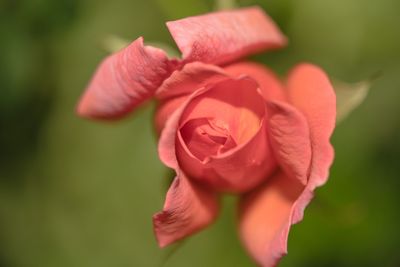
78, 193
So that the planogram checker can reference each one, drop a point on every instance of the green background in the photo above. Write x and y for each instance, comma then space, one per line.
78, 193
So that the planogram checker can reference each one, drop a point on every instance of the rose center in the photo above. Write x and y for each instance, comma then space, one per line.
206, 137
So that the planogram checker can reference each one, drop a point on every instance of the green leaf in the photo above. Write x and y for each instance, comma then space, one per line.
349, 96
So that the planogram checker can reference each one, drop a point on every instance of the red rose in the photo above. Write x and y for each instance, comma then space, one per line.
226, 126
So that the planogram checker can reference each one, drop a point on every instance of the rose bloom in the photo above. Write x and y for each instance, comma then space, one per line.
226, 126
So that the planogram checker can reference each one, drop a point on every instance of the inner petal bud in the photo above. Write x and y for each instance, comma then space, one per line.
206, 137
232, 110
222, 140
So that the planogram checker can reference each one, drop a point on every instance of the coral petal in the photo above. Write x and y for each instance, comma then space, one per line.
188, 208
270, 85
290, 139
239, 107
311, 92
166, 144
225, 36
190, 78
124, 80
265, 217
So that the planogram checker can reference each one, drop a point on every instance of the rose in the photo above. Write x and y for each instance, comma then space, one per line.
226, 126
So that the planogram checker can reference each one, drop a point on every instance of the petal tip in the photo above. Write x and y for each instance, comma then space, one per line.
218, 37
308, 67
83, 108
158, 220
124, 80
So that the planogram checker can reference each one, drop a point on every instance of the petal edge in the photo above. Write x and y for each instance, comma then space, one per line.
188, 208
124, 80
225, 36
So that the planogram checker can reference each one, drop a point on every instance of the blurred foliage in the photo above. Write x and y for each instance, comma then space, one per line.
349, 96
27, 76
77, 193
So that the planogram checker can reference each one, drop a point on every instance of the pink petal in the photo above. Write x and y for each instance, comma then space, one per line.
234, 102
190, 78
203, 138
236, 171
267, 214
270, 85
166, 144
188, 208
265, 218
290, 140
311, 92
238, 104
164, 111
181, 83
225, 36
124, 80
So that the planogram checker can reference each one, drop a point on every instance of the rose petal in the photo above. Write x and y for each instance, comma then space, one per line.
265, 218
312, 93
188, 208
240, 107
266, 215
190, 78
124, 80
225, 36
235, 103
203, 138
164, 111
290, 140
166, 144
270, 85
237, 170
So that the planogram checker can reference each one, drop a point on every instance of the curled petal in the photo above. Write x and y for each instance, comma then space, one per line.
265, 217
190, 78
239, 107
225, 36
164, 111
166, 144
290, 139
267, 214
270, 85
311, 92
175, 89
234, 102
124, 80
188, 208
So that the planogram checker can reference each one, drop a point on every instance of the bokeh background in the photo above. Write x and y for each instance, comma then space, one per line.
77, 193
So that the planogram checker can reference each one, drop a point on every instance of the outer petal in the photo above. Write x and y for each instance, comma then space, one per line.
124, 80
225, 36
165, 110
190, 78
267, 214
311, 92
265, 218
270, 85
175, 89
188, 208
290, 140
